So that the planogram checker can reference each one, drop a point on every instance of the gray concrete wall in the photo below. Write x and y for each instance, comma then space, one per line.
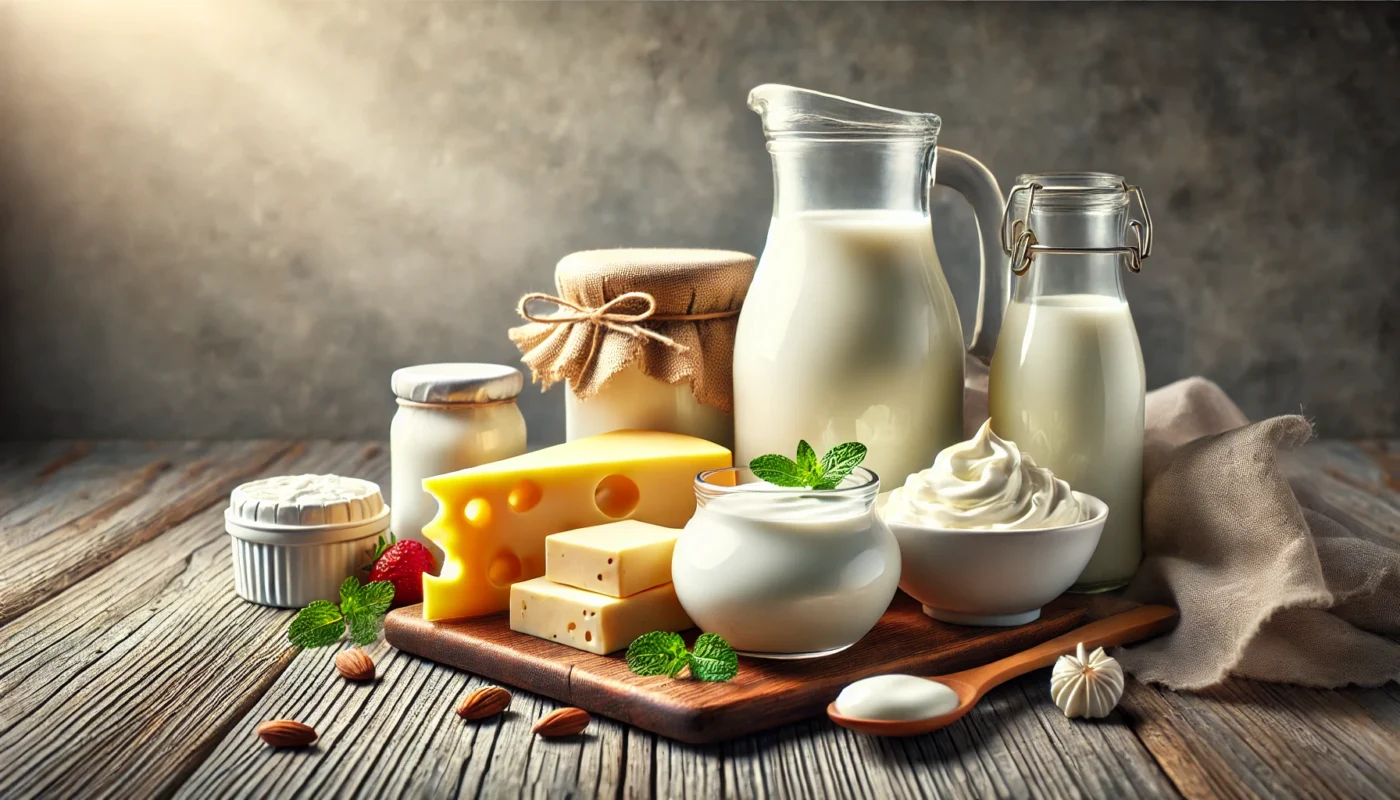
231, 219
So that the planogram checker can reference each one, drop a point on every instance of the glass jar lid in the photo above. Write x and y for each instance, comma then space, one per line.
457, 383
1070, 193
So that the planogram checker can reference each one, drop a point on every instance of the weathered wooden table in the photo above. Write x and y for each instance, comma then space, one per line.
128, 667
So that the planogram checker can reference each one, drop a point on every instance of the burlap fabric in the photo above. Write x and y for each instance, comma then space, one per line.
587, 353
1272, 583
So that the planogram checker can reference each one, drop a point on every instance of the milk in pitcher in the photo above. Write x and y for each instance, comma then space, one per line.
850, 333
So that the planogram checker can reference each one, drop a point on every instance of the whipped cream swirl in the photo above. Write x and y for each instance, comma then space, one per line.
984, 483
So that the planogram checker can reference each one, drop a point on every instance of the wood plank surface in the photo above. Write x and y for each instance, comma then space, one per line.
1250, 739
122, 683
138, 673
399, 737
77, 509
1363, 481
764, 694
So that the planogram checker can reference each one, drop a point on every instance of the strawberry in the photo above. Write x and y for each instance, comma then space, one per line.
403, 563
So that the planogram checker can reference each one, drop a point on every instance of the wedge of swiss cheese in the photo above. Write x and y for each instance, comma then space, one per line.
492, 520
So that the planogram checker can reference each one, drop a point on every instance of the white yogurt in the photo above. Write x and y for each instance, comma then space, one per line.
896, 697
785, 573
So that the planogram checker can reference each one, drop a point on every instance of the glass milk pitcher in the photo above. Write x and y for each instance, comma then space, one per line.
849, 331
1067, 382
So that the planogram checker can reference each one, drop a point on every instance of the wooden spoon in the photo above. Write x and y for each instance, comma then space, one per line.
1140, 623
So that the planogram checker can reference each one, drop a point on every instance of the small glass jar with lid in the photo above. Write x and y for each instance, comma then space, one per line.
450, 417
785, 573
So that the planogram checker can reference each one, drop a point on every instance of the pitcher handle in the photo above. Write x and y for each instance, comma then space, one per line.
967, 176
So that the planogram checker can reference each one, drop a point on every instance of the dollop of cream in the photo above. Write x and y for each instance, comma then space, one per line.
896, 697
984, 483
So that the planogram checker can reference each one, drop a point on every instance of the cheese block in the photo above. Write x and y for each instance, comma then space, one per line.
492, 520
590, 621
618, 559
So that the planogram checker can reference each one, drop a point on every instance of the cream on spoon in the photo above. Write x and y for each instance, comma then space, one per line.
896, 697
969, 686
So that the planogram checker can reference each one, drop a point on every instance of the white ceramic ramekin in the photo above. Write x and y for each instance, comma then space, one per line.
295, 539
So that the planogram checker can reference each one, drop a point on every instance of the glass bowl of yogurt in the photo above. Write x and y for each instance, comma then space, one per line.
987, 537
781, 572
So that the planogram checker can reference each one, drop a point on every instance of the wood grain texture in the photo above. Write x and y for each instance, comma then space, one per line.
81, 508
764, 695
1360, 480
146, 678
122, 683
1250, 739
399, 736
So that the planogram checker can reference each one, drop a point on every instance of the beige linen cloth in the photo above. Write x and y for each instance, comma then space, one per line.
1272, 583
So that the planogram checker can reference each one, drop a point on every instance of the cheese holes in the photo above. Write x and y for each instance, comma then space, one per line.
617, 496
571, 627
588, 636
478, 512
525, 496
504, 570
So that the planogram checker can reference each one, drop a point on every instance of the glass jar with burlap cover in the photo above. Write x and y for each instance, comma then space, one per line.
643, 338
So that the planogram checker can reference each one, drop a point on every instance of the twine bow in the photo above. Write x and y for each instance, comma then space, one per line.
604, 316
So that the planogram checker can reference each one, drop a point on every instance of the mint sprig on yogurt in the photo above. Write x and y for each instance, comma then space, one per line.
808, 471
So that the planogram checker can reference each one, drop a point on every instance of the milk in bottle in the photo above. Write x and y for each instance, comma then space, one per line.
1067, 381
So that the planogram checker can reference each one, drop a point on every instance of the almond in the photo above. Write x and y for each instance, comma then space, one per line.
488, 701
564, 722
355, 665
285, 733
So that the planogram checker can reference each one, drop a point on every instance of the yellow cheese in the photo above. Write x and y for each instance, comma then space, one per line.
617, 560
493, 519
589, 621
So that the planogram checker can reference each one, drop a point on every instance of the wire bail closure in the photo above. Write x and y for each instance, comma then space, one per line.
1019, 241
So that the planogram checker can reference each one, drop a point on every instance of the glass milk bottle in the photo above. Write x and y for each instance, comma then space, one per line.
1067, 381
850, 331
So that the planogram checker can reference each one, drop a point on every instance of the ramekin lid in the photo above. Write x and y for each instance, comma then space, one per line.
306, 501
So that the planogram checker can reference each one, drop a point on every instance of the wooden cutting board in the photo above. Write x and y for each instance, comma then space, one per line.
764, 695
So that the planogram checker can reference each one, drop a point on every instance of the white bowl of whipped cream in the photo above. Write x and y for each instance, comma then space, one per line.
986, 537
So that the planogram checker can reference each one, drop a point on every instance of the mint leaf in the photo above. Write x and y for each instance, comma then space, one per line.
349, 589
317, 625
377, 597
807, 463
364, 628
838, 462
657, 653
778, 470
713, 659
364, 607
807, 471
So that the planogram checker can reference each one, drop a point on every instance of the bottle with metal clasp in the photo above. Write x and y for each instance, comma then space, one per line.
1067, 380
